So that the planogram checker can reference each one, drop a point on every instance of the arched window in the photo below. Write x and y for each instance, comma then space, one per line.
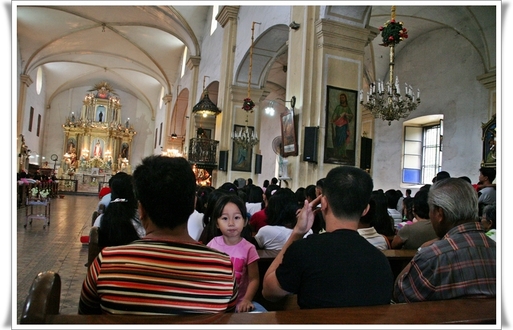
39, 80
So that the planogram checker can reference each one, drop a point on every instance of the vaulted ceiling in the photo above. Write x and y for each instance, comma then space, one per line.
138, 49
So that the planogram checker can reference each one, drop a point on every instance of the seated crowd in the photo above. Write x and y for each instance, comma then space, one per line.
194, 249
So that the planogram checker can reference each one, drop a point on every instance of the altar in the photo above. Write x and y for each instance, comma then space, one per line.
97, 142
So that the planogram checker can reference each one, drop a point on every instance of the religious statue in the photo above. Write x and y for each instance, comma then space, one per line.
97, 150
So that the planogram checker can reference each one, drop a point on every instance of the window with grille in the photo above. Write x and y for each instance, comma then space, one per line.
422, 156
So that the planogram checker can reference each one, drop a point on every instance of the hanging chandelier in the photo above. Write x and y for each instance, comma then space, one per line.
244, 137
384, 100
205, 106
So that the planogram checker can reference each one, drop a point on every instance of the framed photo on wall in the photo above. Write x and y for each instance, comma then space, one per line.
288, 134
340, 137
241, 157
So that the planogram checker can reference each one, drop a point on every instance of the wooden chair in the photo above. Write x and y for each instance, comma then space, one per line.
96, 213
43, 298
94, 247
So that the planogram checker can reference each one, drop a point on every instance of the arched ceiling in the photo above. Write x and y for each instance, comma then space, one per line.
138, 49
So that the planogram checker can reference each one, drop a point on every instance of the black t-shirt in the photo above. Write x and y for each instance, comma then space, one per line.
336, 269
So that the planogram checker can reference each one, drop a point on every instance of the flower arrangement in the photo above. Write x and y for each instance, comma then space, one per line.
393, 33
248, 105
43, 193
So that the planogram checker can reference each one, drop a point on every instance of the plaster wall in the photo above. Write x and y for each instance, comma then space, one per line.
31, 139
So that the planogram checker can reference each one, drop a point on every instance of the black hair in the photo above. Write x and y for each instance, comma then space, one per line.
420, 204
202, 194
255, 194
488, 172
279, 203
165, 187
116, 226
212, 230
348, 190
310, 192
382, 221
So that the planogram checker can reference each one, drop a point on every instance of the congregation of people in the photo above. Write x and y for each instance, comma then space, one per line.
194, 249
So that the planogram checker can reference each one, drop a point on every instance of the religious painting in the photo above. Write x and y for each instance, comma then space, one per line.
208, 133
288, 134
341, 115
71, 146
124, 150
489, 143
241, 157
97, 147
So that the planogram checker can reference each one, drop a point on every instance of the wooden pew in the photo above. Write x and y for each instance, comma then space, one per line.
42, 307
93, 248
398, 259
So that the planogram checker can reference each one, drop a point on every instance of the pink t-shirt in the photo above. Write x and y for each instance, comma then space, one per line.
241, 254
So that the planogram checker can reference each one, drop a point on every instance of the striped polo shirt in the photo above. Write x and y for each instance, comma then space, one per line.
152, 277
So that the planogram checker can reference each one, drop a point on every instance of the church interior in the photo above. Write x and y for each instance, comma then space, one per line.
254, 91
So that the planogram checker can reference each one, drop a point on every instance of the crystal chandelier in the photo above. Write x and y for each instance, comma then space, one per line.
384, 100
244, 137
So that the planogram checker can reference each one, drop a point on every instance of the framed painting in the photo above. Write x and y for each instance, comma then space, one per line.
288, 134
489, 143
241, 157
341, 115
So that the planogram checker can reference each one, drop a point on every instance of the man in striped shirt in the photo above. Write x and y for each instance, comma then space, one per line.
462, 263
167, 271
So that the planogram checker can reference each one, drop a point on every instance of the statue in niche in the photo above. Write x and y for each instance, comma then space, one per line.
97, 150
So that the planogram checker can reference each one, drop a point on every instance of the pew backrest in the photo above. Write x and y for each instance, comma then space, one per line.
42, 307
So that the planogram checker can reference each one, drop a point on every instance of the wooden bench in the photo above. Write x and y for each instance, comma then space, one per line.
42, 307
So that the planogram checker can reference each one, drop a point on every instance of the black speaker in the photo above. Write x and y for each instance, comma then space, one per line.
310, 144
365, 153
258, 164
223, 160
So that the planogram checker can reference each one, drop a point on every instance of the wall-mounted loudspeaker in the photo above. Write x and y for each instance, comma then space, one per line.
310, 144
223, 160
258, 164
366, 153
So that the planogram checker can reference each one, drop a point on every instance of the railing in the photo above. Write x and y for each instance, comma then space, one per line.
68, 185
203, 152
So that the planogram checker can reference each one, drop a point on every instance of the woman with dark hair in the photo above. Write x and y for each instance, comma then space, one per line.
255, 200
382, 221
119, 224
412, 236
281, 212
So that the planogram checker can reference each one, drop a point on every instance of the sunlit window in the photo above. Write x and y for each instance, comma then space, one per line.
213, 23
184, 60
39, 80
161, 97
422, 155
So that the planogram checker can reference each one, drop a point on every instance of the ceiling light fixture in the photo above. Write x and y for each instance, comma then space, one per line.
205, 106
244, 137
386, 101
269, 110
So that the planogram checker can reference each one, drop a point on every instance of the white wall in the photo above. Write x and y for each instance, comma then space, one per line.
444, 66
